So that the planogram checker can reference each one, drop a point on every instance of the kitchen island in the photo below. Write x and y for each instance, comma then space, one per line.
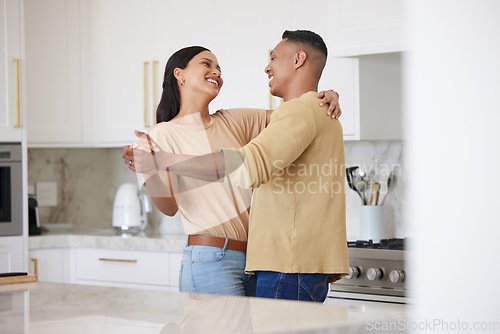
54, 308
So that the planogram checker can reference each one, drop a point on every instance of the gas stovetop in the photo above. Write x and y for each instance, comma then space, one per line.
375, 270
394, 243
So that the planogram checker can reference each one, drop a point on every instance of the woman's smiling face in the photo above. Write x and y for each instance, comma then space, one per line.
203, 74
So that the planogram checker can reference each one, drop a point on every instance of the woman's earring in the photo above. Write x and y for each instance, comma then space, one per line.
182, 82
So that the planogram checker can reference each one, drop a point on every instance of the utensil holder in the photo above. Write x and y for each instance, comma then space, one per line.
372, 223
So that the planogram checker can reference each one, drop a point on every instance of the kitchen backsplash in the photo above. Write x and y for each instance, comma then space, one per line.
87, 179
382, 156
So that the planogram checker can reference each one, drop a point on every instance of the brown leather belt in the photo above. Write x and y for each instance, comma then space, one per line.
209, 240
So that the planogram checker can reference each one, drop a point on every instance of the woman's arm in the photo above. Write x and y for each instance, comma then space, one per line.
163, 199
329, 97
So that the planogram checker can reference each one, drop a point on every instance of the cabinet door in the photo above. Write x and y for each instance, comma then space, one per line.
174, 269
342, 75
365, 26
10, 70
177, 32
118, 44
48, 264
250, 30
12, 254
53, 75
122, 268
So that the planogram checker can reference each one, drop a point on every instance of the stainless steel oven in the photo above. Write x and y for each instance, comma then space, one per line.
11, 187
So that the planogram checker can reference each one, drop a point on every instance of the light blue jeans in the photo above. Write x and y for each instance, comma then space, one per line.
215, 270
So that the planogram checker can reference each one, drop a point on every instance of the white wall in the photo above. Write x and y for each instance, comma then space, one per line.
452, 122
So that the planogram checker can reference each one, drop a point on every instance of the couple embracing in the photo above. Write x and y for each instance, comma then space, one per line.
291, 241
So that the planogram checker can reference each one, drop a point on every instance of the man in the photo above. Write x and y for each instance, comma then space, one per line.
297, 240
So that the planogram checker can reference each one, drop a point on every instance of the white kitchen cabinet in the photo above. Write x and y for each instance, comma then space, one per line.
380, 97
129, 43
12, 254
50, 264
95, 67
11, 71
189, 23
53, 72
370, 89
358, 27
123, 268
118, 41
342, 75
174, 269
249, 31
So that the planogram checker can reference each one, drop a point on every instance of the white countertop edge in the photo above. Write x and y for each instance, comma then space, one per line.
167, 243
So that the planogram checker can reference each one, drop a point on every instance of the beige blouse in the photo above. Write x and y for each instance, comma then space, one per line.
209, 207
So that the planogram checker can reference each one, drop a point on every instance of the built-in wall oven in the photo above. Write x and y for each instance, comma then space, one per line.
11, 187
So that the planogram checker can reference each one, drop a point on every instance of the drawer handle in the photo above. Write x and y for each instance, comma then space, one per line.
18, 105
117, 260
35, 265
144, 68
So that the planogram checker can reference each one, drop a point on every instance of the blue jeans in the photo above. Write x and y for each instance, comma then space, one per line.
214, 270
309, 287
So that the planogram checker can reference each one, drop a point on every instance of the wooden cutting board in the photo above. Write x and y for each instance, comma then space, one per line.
18, 279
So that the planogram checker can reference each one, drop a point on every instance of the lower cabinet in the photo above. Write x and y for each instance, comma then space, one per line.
51, 264
106, 267
12, 254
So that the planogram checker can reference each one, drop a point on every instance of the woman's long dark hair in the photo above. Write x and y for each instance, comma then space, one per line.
170, 102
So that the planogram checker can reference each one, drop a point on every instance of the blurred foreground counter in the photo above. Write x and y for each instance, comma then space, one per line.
37, 308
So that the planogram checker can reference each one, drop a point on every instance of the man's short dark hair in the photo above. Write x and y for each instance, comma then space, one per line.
308, 38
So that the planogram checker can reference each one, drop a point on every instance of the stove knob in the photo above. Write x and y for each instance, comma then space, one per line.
397, 276
354, 272
374, 273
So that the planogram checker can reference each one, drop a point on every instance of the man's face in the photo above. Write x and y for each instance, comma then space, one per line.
280, 68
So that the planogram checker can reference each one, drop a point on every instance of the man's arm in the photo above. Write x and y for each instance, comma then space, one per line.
290, 132
281, 143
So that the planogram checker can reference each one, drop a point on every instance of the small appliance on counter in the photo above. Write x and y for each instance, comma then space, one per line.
34, 222
130, 209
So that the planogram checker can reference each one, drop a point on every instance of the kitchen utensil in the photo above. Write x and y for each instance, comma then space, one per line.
375, 193
359, 180
370, 178
350, 182
392, 181
130, 209
361, 186
349, 173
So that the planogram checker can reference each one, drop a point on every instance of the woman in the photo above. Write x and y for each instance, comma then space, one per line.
214, 215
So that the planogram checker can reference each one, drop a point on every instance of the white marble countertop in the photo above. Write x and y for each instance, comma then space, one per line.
69, 308
157, 243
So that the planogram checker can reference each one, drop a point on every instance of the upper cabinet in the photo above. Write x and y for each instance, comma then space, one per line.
125, 52
11, 72
358, 27
118, 68
95, 67
380, 97
342, 75
53, 72
249, 30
